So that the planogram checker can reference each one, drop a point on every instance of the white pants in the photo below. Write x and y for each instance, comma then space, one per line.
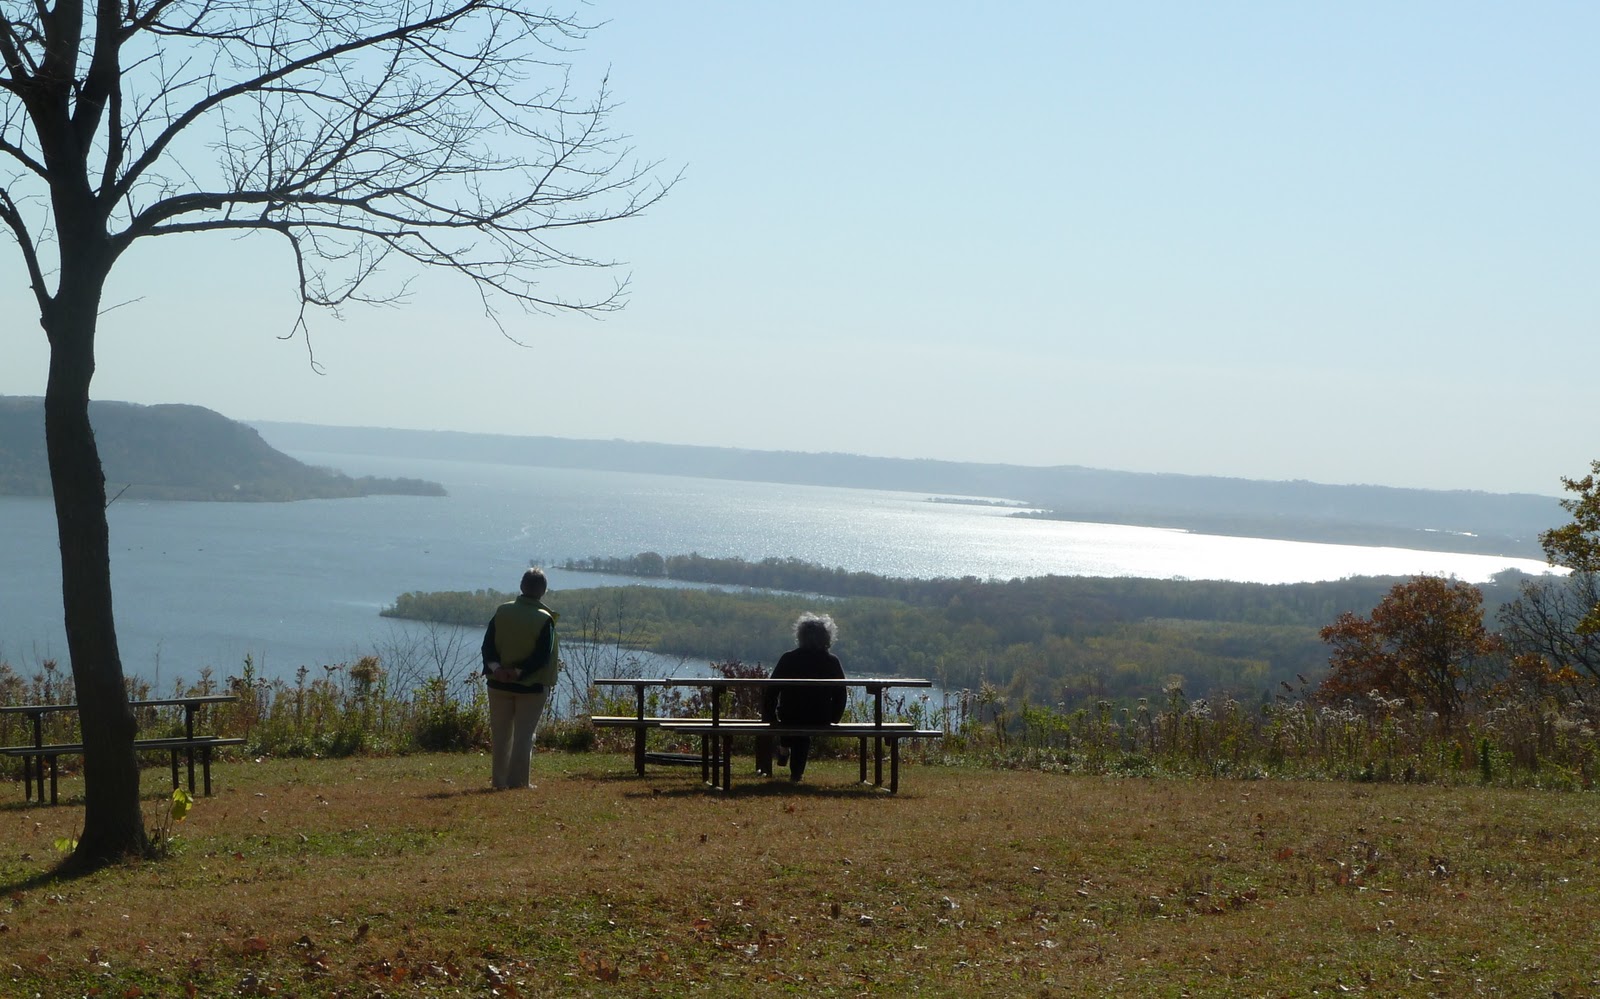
513, 720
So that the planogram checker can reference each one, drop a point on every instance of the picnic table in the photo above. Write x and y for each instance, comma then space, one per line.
716, 732
37, 755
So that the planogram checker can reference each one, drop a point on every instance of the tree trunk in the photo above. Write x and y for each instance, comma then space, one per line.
113, 826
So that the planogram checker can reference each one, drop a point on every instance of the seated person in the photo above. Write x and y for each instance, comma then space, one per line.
809, 659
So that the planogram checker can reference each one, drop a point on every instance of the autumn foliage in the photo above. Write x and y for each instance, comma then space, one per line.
1425, 643
1577, 545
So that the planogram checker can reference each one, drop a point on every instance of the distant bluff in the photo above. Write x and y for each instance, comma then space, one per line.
177, 452
1424, 519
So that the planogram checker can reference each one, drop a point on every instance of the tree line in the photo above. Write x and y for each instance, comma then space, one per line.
1050, 640
1439, 645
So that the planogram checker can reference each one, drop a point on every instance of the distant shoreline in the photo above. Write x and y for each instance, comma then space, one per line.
975, 501
1361, 535
1458, 521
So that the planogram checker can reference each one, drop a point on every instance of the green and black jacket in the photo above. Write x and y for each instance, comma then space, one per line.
522, 635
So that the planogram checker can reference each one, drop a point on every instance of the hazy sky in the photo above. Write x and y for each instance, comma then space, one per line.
1352, 242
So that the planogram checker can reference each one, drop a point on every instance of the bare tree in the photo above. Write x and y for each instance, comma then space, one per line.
443, 133
433, 653
600, 642
1547, 620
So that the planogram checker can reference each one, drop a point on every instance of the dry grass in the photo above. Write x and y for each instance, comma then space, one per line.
398, 877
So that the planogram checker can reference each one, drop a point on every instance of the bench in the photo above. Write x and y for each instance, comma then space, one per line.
39, 756
716, 733
641, 725
716, 744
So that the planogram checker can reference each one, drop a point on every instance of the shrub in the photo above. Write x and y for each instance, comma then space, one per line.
444, 724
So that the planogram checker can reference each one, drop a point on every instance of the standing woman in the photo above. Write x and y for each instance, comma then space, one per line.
520, 662
809, 659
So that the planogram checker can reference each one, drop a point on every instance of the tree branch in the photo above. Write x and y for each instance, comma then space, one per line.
14, 220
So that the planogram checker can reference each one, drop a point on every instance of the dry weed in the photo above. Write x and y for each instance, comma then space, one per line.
404, 876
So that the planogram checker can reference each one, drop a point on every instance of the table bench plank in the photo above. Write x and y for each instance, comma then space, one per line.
38, 756
720, 738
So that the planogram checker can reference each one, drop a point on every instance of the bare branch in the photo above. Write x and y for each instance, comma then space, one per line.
21, 156
14, 220
401, 131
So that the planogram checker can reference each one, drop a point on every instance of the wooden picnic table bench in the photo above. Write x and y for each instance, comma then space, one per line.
639, 721
39, 756
716, 732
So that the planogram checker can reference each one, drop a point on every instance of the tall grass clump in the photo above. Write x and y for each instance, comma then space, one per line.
385, 704
1532, 743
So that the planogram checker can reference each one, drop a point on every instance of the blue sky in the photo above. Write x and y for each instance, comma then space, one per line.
1341, 242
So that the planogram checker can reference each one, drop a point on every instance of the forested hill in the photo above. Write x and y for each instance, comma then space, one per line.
1052, 640
176, 452
1435, 520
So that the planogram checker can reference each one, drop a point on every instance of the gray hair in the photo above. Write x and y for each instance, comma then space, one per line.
814, 631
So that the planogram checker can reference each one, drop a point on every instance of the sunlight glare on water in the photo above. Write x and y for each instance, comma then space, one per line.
294, 583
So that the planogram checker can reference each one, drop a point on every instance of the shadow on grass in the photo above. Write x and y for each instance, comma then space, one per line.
43, 879
685, 783
71, 867
757, 787
467, 792
28, 806
753, 784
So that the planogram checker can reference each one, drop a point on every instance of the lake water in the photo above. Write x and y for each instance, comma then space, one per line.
296, 584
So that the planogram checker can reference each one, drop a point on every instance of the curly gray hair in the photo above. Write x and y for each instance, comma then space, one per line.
814, 631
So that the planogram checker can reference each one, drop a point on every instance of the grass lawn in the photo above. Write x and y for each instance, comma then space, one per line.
405, 876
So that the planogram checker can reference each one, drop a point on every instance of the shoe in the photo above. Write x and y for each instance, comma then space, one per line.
780, 756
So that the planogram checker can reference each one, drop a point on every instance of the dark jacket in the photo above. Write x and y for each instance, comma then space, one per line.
805, 705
